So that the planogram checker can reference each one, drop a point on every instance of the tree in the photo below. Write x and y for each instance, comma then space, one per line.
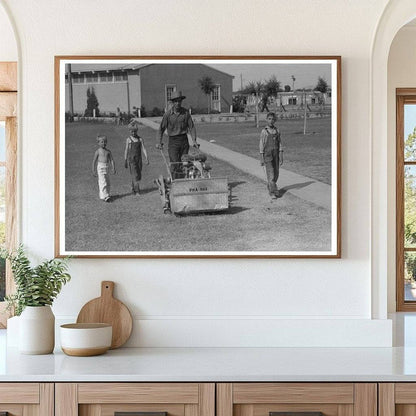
92, 104
410, 146
257, 89
322, 85
271, 89
410, 204
410, 190
239, 103
253, 88
287, 88
207, 87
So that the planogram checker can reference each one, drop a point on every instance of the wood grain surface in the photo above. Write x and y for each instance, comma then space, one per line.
8, 105
386, 399
110, 393
251, 393
27, 393
66, 399
107, 309
8, 78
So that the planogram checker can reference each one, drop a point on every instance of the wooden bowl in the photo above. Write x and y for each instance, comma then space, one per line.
84, 340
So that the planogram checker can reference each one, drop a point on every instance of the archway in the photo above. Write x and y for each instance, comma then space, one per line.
396, 14
8, 147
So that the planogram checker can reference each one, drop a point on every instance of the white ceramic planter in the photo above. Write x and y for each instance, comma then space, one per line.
37, 330
13, 331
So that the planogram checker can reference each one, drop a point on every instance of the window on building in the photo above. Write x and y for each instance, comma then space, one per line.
120, 76
216, 98
106, 77
93, 77
77, 78
406, 200
293, 100
216, 93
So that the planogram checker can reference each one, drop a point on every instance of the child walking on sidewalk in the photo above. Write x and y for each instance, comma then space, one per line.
101, 163
270, 143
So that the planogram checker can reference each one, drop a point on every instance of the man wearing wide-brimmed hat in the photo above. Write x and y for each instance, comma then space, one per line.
178, 123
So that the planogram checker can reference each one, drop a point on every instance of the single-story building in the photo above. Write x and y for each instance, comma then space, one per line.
147, 86
295, 98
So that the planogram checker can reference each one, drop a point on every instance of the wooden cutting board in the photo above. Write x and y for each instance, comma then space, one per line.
107, 309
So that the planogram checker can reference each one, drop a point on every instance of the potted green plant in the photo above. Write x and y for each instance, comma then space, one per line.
36, 289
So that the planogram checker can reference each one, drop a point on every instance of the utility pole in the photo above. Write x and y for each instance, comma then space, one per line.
257, 108
70, 93
304, 113
241, 82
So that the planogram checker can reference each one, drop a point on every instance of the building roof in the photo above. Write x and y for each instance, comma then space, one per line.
95, 67
221, 72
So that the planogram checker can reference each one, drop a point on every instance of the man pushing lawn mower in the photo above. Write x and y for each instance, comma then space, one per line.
189, 187
178, 122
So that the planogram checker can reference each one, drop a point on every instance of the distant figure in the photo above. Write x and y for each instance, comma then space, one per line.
118, 116
178, 122
133, 153
270, 143
101, 166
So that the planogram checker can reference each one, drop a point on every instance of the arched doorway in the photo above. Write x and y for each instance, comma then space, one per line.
8, 149
396, 14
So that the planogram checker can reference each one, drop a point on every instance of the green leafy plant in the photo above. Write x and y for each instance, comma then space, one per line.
35, 286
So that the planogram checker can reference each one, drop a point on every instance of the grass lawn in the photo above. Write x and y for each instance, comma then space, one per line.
137, 223
308, 155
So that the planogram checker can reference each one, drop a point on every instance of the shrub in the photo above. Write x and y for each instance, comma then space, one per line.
156, 112
143, 111
92, 104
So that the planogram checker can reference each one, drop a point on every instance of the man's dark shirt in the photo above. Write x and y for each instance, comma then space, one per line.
176, 124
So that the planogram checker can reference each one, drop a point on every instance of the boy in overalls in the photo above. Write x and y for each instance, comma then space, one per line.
270, 153
133, 157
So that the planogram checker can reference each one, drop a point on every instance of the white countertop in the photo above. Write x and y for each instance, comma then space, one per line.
213, 364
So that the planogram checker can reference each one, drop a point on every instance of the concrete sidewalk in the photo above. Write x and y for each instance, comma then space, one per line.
301, 186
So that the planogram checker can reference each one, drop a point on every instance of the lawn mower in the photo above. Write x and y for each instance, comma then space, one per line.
195, 191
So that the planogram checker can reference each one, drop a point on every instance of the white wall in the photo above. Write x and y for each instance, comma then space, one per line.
8, 46
401, 74
179, 302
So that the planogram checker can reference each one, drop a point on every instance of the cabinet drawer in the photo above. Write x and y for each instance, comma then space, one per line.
297, 399
21, 399
397, 399
107, 399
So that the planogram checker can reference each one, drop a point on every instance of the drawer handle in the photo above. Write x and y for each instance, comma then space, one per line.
296, 414
139, 414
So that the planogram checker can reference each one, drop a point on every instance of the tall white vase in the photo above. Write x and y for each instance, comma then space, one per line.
37, 330
13, 332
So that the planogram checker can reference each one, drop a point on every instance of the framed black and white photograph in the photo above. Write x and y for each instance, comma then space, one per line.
198, 156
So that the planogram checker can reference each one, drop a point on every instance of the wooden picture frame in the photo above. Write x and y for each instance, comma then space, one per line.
225, 212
